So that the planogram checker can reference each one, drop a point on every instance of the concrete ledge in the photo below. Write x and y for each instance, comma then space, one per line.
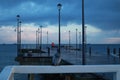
7, 73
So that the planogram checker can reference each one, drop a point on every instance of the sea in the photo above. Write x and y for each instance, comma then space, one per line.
8, 52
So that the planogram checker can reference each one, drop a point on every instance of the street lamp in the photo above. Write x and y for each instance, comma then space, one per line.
80, 40
20, 33
76, 39
83, 35
59, 8
18, 37
36, 39
41, 38
47, 38
69, 40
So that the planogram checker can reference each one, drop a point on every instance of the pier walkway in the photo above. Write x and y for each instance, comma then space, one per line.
95, 63
75, 57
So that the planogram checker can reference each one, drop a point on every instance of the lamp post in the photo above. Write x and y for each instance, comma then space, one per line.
59, 8
76, 39
47, 38
69, 40
80, 40
85, 31
18, 36
83, 35
36, 39
40, 38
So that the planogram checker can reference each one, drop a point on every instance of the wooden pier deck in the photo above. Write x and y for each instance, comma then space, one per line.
75, 57
69, 57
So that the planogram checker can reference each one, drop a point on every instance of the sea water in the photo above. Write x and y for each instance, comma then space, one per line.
7, 55
8, 52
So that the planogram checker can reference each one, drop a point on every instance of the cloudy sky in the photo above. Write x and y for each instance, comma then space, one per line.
101, 20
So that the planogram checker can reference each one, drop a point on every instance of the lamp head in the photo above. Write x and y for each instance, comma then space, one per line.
59, 6
18, 16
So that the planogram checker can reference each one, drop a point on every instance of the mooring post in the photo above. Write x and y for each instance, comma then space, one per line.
119, 52
114, 51
90, 51
48, 51
116, 76
30, 76
108, 51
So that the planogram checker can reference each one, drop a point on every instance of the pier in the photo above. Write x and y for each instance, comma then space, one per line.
62, 41
70, 63
71, 58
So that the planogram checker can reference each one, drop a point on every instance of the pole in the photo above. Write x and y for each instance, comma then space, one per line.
18, 47
47, 38
83, 36
20, 34
41, 38
59, 33
36, 39
69, 40
76, 39
80, 40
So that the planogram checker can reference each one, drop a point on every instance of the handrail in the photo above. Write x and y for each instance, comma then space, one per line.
8, 72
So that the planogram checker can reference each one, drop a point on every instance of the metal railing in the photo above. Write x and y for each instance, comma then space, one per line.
9, 71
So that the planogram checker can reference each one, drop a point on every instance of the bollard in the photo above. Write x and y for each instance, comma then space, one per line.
119, 52
48, 51
114, 51
108, 51
67, 77
90, 51
30, 76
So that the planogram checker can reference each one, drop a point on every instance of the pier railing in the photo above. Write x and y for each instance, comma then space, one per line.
9, 71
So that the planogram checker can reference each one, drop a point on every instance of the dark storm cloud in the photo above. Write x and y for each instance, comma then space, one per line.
103, 13
10, 3
100, 13
14, 3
